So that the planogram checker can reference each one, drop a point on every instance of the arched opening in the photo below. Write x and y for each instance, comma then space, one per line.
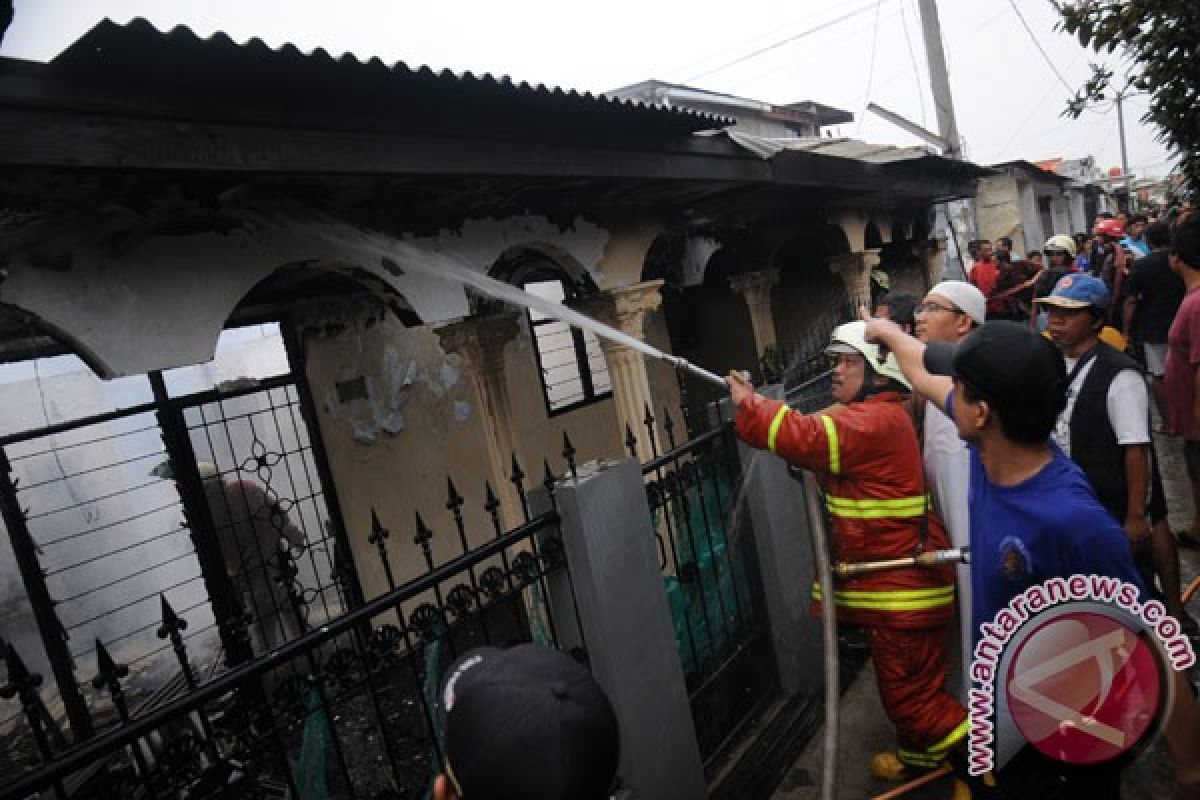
872, 237
202, 484
920, 229
809, 300
571, 365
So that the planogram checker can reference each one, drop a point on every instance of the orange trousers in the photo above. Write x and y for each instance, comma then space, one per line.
910, 669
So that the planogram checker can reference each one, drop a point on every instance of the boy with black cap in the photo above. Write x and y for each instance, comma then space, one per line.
526, 723
1033, 514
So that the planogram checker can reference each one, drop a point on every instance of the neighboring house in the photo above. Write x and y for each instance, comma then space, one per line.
802, 119
1025, 202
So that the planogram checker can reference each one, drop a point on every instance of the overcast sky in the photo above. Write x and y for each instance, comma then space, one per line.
1007, 98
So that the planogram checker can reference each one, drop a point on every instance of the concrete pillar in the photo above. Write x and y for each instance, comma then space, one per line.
608, 540
480, 342
783, 544
624, 308
933, 255
755, 289
855, 271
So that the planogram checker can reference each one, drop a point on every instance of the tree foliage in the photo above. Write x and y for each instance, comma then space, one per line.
1160, 40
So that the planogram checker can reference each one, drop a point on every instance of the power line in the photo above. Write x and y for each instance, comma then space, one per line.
781, 43
808, 54
912, 57
1038, 45
870, 68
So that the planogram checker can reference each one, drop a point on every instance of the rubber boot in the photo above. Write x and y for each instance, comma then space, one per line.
888, 767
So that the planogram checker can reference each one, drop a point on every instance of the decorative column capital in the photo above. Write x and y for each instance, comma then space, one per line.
749, 283
855, 271
480, 340
755, 289
847, 264
624, 307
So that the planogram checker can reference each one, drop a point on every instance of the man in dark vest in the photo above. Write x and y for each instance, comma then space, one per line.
1105, 429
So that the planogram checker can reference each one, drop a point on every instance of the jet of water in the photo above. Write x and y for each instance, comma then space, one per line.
408, 257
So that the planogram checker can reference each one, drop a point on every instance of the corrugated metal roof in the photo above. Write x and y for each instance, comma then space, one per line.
213, 75
853, 149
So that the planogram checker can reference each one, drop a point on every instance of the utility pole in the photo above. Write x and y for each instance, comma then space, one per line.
943, 103
1124, 155
939, 78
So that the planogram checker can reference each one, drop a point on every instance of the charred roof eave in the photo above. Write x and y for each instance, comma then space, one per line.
179, 75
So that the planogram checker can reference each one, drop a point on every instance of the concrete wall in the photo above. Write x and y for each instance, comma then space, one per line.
1061, 214
998, 208
393, 449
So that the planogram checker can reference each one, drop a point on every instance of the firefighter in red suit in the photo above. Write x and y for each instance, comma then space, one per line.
865, 454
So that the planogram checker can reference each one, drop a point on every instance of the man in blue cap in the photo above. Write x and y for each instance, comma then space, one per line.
1105, 429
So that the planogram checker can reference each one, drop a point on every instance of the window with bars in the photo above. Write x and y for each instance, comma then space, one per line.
570, 361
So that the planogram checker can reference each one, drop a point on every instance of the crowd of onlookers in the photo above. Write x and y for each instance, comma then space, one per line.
1009, 413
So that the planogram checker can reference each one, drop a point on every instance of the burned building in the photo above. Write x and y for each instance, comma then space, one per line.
245, 386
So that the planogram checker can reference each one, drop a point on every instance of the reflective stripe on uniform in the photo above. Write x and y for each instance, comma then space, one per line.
953, 737
776, 424
936, 754
835, 456
869, 508
916, 759
890, 599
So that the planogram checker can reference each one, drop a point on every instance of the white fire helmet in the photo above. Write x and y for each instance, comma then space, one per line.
1061, 241
850, 338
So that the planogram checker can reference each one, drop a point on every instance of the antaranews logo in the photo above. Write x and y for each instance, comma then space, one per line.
1080, 665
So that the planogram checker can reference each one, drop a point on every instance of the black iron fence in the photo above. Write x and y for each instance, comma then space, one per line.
344, 709
710, 572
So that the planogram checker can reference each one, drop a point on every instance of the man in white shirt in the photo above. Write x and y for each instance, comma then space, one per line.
949, 311
1105, 429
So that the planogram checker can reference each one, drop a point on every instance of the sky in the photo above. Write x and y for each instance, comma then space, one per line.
1008, 99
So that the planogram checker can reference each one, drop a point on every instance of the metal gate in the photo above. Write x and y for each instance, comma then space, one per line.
710, 572
200, 488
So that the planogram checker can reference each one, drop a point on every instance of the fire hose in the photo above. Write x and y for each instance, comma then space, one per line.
825, 570
933, 558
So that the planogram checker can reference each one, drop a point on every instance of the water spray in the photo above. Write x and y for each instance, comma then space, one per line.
404, 256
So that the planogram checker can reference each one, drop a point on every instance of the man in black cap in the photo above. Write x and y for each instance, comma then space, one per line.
525, 723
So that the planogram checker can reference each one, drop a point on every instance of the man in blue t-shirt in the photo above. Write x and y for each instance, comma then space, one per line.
1033, 514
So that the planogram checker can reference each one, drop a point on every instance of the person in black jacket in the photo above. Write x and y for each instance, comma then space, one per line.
1153, 294
1105, 429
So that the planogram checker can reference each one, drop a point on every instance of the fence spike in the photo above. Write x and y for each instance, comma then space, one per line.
568, 452
422, 538
669, 427
454, 500
378, 532
517, 475
171, 623
490, 501
20, 679
547, 476
108, 672
630, 441
648, 420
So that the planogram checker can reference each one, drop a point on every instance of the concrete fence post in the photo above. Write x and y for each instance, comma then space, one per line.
782, 540
620, 604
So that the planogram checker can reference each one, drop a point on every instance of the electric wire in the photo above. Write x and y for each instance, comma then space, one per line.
870, 71
912, 57
1034, 109
776, 45
1040, 49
